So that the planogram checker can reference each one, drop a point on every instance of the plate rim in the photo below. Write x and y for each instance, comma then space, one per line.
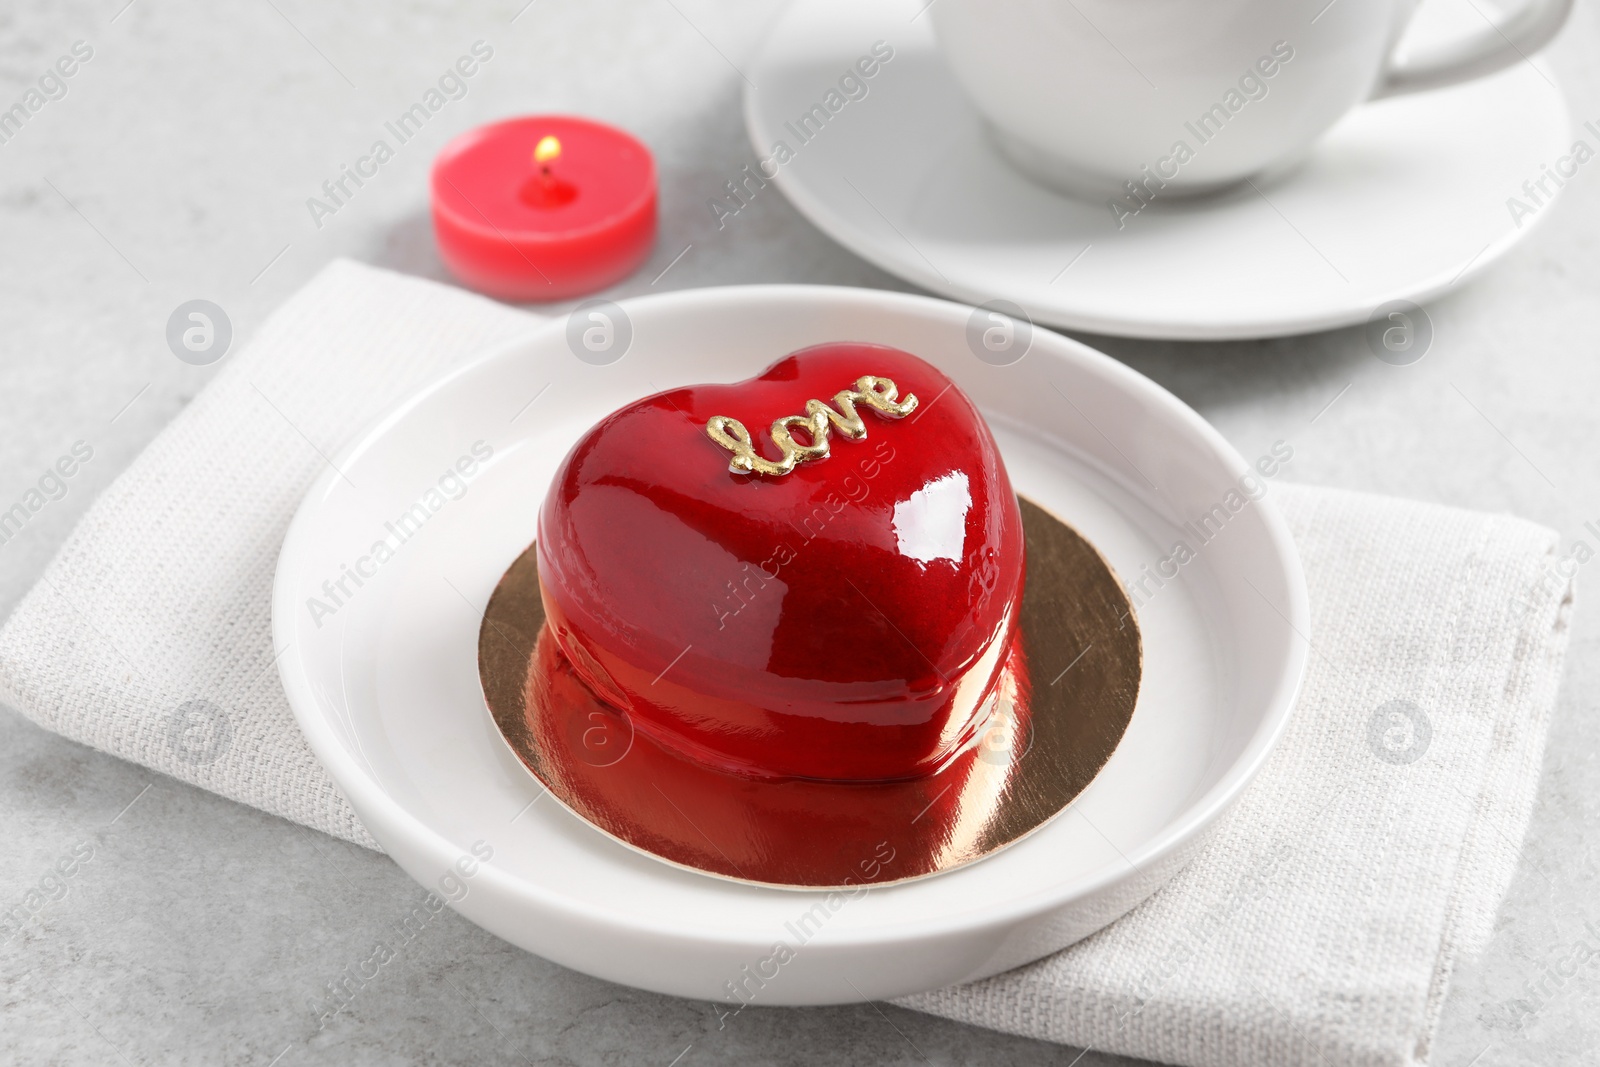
374, 805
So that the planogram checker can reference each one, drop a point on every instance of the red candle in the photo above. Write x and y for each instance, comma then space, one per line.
544, 207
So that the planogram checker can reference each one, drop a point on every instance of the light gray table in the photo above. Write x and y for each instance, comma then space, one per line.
177, 166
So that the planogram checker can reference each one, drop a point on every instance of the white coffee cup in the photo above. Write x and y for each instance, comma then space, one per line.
1175, 97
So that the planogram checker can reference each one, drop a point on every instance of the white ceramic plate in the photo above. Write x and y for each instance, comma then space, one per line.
386, 687
1403, 199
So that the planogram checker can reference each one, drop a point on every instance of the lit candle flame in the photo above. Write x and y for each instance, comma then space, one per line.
548, 149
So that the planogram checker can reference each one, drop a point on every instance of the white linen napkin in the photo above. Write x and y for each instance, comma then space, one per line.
1320, 924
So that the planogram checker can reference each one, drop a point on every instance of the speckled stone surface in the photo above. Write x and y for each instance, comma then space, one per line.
177, 166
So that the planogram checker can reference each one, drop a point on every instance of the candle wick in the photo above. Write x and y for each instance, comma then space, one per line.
544, 189
544, 153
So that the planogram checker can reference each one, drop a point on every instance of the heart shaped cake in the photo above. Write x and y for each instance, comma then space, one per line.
815, 573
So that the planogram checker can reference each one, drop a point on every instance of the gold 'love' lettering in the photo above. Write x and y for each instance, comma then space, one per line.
879, 394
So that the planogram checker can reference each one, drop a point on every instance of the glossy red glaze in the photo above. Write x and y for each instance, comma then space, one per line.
785, 832
840, 622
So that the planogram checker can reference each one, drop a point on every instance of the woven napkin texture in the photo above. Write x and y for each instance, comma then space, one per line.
1319, 925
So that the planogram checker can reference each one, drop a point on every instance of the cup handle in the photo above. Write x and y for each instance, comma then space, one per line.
1490, 49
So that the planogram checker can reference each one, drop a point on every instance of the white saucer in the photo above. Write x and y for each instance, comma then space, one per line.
1403, 199
386, 688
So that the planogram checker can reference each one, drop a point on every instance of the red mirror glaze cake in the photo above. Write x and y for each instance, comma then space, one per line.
814, 573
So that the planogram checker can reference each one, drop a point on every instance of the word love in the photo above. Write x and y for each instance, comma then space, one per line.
879, 394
